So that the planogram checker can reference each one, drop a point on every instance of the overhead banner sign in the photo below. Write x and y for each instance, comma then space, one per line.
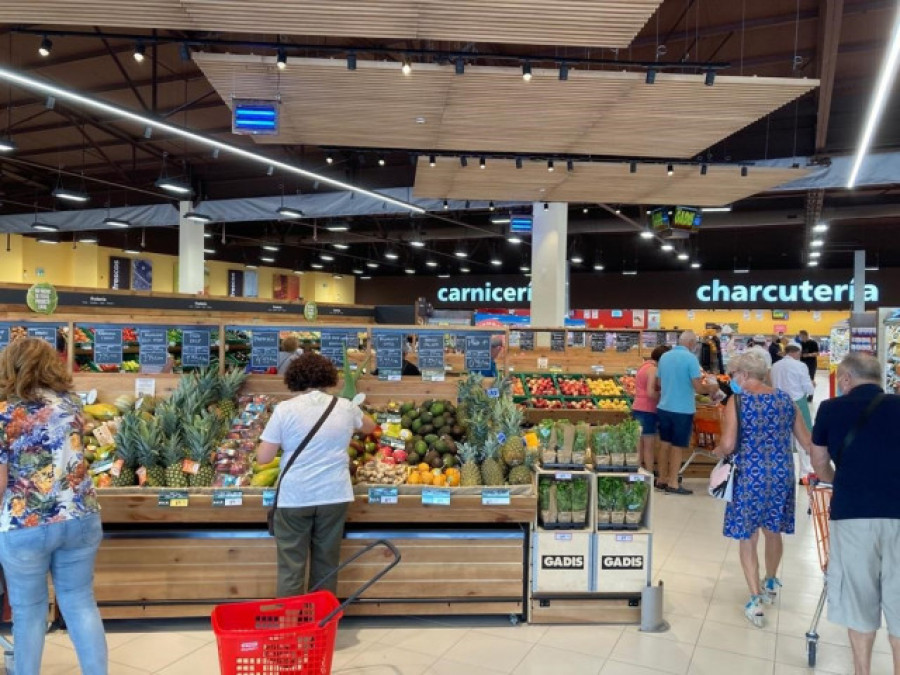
119, 273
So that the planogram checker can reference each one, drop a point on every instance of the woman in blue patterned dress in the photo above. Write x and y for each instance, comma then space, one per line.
49, 518
759, 435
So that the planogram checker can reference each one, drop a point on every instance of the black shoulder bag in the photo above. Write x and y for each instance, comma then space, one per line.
860, 423
270, 515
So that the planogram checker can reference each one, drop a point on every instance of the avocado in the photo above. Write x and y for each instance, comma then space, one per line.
426, 429
437, 409
413, 414
431, 439
430, 456
426, 417
426, 405
438, 421
416, 426
449, 460
444, 431
456, 431
406, 407
437, 462
421, 447
450, 420
413, 459
405, 422
441, 446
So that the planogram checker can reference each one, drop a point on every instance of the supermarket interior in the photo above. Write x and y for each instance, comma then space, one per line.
537, 251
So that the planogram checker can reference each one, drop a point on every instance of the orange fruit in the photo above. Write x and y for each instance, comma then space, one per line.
440, 480
453, 479
424, 468
427, 478
414, 478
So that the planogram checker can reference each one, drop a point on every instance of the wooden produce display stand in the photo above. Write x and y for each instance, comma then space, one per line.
175, 561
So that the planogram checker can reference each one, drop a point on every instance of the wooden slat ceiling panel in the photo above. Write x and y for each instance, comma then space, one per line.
493, 110
595, 182
586, 23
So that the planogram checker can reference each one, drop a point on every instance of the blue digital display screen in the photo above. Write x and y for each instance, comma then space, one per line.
255, 118
520, 224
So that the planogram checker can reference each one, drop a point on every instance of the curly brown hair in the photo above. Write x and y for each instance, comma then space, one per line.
310, 371
28, 365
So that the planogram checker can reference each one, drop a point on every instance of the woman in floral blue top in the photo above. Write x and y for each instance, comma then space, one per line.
49, 518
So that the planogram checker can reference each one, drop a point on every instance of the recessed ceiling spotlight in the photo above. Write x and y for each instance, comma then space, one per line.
281, 60
670, 170
329, 158
482, 162
491, 206
526, 71
45, 47
550, 166
446, 205
139, 51
432, 160
381, 161
584, 210
406, 68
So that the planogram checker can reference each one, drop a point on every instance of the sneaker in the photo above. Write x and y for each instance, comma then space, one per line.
770, 589
753, 611
678, 491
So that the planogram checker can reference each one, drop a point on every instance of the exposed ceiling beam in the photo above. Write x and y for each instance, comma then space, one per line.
830, 17
125, 75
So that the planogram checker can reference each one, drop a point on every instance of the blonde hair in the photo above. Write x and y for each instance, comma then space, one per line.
290, 344
28, 365
751, 363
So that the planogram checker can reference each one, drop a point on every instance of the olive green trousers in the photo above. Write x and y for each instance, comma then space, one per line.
308, 537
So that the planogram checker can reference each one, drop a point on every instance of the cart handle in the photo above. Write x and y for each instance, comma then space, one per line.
366, 586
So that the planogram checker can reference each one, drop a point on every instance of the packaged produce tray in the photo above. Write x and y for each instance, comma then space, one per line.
563, 526
618, 527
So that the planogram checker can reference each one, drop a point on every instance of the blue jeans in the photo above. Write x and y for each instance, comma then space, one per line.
67, 550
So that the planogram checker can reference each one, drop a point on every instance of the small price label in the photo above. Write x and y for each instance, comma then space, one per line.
190, 466
268, 498
637, 477
495, 497
624, 537
383, 495
116, 469
563, 536
104, 435
559, 475
493, 392
173, 499
101, 467
227, 498
436, 497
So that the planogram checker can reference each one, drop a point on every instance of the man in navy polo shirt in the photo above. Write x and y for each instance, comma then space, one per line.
680, 378
859, 433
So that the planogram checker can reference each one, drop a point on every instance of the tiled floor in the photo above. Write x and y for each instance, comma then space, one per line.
704, 595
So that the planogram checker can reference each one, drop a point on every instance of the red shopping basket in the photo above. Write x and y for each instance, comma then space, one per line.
287, 636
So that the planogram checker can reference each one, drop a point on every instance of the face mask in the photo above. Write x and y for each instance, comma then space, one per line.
735, 387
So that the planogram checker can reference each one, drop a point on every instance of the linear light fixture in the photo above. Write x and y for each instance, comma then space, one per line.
71, 195
340, 247
7, 145
820, 227
340, 226
40, 226
629, 273
501, 220
716, 209
179, 187
695, 265
326, 257
22, 80
288, 212
646, 234
209, 251
267, 259
270, 247
88, 239
197, 217
48, 239
116, 222
879, 99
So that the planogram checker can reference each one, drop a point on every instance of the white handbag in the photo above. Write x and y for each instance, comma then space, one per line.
721, 480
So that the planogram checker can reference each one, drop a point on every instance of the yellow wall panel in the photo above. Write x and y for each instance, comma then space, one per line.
798, 320
11, 263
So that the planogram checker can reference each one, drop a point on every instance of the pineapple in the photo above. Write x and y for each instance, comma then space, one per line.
521, 474
148, 447
173, 458
207, 386
229, 386
470, 473
201, 437
509, 419
491, 467
127, 441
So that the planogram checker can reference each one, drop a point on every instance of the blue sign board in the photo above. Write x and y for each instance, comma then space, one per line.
195, 347
47, 333
153, 346
4, 336
478, 353
264, 349
108, 346
332, 344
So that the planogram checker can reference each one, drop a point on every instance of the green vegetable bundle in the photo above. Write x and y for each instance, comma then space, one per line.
580, 488
600, 446
617, 498
547, 441
631, 439
564, 501
580, 443
635, 501
605, 498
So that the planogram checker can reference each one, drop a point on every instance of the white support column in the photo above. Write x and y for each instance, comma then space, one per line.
859, 282
549, 267
190, 252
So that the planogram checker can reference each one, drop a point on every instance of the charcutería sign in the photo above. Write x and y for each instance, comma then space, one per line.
805, 291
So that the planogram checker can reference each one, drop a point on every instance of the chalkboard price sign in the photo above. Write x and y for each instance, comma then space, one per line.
526, 341
332, 345
598, 342
195, 347
388, 354
431, 352
478, 353
264, 349
557, 341
153, 347
108, 346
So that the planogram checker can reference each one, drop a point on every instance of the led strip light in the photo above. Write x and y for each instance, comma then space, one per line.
85, 101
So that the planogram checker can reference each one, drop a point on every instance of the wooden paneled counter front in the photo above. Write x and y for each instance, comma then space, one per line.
465, 558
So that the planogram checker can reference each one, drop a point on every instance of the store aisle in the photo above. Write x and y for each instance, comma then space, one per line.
704, 598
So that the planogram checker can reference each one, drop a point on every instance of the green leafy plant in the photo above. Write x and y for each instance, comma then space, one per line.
580, 494
636, 496
606, 488
544, 493
564, 495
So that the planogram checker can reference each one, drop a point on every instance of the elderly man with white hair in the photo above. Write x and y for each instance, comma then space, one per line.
680, 379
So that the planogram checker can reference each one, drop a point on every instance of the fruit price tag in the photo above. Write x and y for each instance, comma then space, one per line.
141, 474
494, 497
268, 498
435, 496
493, 393
101, 467
563, 536
227, 498
562, 476
104, 435
635, 477
624, 537
542, 363
116, 469
190, 466
173, 499
383, 495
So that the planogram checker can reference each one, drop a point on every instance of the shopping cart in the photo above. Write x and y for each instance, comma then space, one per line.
287, 636
820, 510
708, 422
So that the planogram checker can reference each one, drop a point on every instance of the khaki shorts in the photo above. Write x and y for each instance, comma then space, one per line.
864, 574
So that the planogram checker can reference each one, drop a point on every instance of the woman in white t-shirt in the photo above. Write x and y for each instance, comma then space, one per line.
316, 490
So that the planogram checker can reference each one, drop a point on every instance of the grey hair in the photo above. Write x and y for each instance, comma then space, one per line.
791, 349
752, 363
861, 367
687, 337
